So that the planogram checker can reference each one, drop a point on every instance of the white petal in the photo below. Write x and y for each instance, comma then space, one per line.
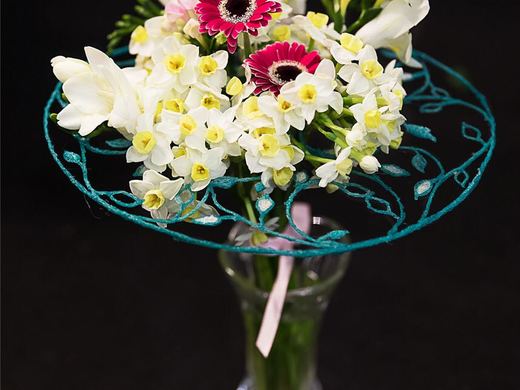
171, 188
140, 187
154, 178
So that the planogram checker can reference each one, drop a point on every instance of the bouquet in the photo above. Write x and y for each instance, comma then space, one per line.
241, 89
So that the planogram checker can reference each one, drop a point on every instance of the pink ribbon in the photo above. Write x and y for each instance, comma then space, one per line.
301, 215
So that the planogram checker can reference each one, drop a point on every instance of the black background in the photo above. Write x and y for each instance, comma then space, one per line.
93, 302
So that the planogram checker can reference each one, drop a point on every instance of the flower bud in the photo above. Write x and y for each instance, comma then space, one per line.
234, 86
369, 164
191, 29
283, 176
65, 68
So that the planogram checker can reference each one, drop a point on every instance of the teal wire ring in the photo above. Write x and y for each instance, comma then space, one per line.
382, 194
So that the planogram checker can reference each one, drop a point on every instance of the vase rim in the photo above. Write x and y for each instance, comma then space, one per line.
243, 282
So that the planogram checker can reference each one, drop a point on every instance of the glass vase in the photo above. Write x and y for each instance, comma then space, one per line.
291, 364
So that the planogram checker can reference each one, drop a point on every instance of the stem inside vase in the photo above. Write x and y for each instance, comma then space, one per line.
291, 364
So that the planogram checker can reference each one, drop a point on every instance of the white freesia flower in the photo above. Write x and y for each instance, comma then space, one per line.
158, 193
199, 168
330, 171
364, 77
391, 27
150, 145
65, 67
212, 69
97, 94
189, 128
369, 164
315, 92
175, 65
266, 149
283, 112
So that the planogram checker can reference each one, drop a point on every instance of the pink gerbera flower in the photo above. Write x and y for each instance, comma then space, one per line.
234, 16
279, 63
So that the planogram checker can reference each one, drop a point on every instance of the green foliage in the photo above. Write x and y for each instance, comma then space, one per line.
144, 9
359, 13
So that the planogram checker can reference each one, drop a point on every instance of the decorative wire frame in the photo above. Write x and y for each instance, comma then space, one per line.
380, 198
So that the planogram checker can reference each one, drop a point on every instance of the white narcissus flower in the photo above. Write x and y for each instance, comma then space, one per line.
347, 49
222, 132
144, 39
158, 193
267, 149
315, 92
391, 28
201, 95
364, 77
186, 128
251, 116
369, 164
199, 168
150, 145
283, 112
212, 69
97, 92
378, 122
330, 171
175, 65
315, 25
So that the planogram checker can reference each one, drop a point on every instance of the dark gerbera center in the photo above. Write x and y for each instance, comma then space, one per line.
236, 11
282, 72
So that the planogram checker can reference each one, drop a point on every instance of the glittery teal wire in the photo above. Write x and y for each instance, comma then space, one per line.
380, 198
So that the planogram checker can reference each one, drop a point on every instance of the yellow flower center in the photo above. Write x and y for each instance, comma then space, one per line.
318, 19
215, 134
373, 119
207, 66
351, 43
281, 33
284, 105
153, 199
251, 109
199, 172
269, 145
282, 177
144, 142
371, 69
344, 167
140, 35
308, 93
175, 105
187, 125
260, 131
210, 101
178, 151
234, 86
175, 63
